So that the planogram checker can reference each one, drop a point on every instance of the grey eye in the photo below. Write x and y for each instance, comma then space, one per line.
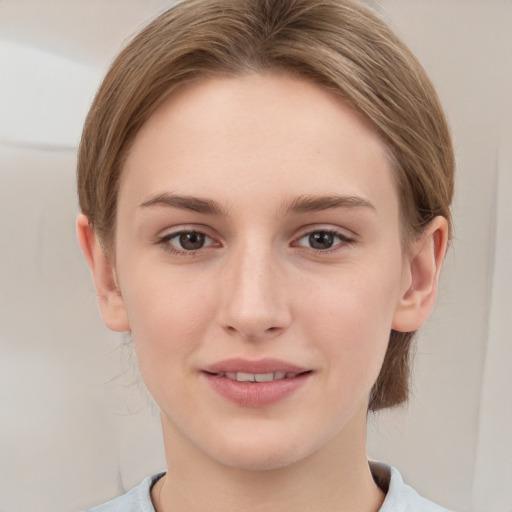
321, 239
190, 240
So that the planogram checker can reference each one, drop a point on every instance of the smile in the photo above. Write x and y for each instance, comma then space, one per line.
257, 377
255, 384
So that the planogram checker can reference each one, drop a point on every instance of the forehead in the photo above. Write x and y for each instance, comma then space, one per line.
269, 134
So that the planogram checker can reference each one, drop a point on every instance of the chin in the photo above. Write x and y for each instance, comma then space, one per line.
258, 460
258, 452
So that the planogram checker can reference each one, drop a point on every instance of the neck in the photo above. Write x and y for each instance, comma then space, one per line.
335, 478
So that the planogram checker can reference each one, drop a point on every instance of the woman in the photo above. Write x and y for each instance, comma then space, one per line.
265, 190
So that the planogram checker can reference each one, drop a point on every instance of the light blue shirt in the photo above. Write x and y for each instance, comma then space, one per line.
400, 497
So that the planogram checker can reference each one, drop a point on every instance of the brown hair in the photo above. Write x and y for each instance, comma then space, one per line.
338, 44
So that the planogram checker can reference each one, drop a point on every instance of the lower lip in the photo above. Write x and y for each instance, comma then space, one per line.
255, 394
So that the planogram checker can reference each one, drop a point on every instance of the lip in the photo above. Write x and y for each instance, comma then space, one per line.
266, 365
255, 394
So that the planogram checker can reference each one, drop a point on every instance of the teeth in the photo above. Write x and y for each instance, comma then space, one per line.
264, 377
258, 377
245, 377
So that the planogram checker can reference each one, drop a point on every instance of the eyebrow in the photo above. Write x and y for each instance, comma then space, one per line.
307, 203
194, 204
301, 204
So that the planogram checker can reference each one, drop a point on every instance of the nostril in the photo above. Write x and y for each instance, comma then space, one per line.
252, 332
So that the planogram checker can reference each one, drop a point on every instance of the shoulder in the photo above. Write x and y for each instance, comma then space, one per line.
400, 497
137, 499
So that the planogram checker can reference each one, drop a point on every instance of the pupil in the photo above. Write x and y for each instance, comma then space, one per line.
192, 240
321, 240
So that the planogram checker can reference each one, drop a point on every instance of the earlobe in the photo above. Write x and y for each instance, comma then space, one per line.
424, 262
110, 300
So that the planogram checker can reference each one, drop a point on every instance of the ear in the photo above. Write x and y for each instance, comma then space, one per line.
103, 272
421, 276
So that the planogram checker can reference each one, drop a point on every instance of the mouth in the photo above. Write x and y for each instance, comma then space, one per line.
255, 383
258, 377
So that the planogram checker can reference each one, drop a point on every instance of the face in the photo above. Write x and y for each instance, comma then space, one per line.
259, 264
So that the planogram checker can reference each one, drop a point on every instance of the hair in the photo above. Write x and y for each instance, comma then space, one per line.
340, 45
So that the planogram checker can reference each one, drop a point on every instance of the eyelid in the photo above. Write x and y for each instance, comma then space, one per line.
345, 239
184, 228
166, 236
345, 236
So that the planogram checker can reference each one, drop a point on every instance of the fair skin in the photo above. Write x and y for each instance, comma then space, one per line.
258, 218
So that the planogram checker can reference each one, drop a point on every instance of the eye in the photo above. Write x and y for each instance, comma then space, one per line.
186, 241
322, 240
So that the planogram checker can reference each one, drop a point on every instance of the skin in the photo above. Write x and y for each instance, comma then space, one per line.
273, 154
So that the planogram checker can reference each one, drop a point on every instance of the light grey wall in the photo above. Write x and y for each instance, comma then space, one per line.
454, 439
75, 426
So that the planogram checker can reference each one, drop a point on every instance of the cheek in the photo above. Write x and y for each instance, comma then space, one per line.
353, 334
168, 316
350, 316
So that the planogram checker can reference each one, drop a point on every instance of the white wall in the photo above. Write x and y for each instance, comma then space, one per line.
76, 430
44, 96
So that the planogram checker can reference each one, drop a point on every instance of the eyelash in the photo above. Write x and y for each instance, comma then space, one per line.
165, 241
343, 240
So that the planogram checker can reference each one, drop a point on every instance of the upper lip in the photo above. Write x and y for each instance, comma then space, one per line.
260, 366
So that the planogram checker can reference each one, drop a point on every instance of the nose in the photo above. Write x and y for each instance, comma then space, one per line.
254, 303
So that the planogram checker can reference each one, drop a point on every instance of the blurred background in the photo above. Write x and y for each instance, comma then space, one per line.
76, 427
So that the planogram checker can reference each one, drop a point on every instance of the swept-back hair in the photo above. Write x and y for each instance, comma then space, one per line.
340, 45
